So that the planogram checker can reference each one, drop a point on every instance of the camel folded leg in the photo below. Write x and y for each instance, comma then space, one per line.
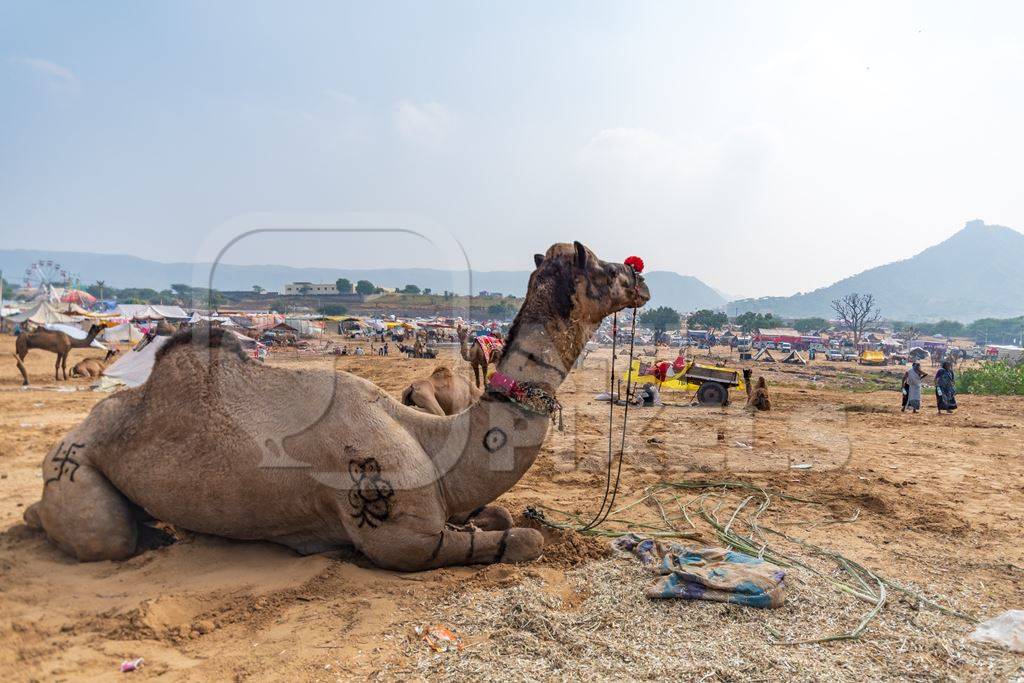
406, 550
82, 512
486, 518
424, 400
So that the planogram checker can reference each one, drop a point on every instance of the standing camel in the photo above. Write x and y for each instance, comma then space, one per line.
443, 393
478, 356
316, 459
53, 341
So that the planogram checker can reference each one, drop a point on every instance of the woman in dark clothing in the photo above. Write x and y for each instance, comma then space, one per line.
945, 388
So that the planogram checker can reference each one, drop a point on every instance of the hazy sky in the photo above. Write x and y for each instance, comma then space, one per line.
764, 147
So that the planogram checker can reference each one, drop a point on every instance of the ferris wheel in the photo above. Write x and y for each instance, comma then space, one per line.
44, 275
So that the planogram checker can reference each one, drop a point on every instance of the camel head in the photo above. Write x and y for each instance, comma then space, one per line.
110, 354
94, 331
578, 285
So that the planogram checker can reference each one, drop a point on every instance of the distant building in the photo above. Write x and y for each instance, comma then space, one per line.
310, 288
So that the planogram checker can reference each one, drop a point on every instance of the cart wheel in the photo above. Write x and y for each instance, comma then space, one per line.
712, 394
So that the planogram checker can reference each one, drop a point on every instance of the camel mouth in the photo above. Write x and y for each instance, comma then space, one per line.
641, 293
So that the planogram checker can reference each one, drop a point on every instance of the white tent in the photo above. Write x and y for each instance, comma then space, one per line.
147, 312
43, 313
132, 369
125, 333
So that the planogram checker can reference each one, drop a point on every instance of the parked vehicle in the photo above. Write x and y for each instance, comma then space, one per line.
834, 354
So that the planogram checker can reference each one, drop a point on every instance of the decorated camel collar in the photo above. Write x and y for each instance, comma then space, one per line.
533, 397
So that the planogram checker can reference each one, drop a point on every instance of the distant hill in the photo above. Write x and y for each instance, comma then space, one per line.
682, 292
976, 273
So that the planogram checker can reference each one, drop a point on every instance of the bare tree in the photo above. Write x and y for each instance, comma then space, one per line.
856, 312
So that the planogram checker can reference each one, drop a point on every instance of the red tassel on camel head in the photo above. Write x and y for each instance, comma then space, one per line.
636, 263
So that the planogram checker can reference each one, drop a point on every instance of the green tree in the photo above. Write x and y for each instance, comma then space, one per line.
502, 311
751, 322
333, 309
365, 287
411, 289
257, 289
707, 319
806, 325
660, 319
343, 285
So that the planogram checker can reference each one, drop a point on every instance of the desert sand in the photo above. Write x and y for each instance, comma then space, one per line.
932, 502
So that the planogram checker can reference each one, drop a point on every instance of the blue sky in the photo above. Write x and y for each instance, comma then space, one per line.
781, 136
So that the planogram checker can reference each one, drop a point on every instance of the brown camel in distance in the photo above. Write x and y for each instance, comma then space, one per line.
474, 353
93, 367
53, 341
757, 398
314, 459
443, 393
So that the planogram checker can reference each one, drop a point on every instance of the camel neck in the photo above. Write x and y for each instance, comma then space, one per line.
486, 449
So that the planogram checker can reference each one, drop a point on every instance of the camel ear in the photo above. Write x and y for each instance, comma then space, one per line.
581, 255
538, 259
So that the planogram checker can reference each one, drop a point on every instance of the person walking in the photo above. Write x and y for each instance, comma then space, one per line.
913, 383
945, 388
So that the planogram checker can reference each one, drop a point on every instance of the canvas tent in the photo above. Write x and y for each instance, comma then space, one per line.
132, 369
152, 312
765, 354
125, 333
795, 358
43, 313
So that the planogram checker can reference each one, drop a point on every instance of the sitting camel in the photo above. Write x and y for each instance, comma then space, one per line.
443, 393
478, 356
317, 459
757, 398
53, 341
93, 367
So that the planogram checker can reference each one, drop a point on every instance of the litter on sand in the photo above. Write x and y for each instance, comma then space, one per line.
1006, 630
440, 638
714, 574
801, 466
130, 665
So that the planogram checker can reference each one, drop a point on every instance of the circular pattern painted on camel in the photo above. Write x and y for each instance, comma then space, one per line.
495, 439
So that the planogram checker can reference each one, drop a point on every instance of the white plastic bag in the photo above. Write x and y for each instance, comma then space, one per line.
1007, 630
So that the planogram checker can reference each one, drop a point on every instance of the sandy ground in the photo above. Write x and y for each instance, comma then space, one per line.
932, 502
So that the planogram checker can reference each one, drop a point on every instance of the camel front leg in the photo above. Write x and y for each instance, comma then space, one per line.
486, 518
64, 365
56, 369
410, 551
476, 374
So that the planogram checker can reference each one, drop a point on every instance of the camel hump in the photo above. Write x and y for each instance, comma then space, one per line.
442, 371
202, 336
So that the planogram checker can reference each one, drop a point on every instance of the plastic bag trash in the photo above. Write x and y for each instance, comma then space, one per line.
439, 638
1006, 630
801, 466
129, 665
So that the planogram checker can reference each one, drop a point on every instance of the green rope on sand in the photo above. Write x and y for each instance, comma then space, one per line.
861, 582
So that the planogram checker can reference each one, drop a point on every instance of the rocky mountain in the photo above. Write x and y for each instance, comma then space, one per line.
976, 273
681, 292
